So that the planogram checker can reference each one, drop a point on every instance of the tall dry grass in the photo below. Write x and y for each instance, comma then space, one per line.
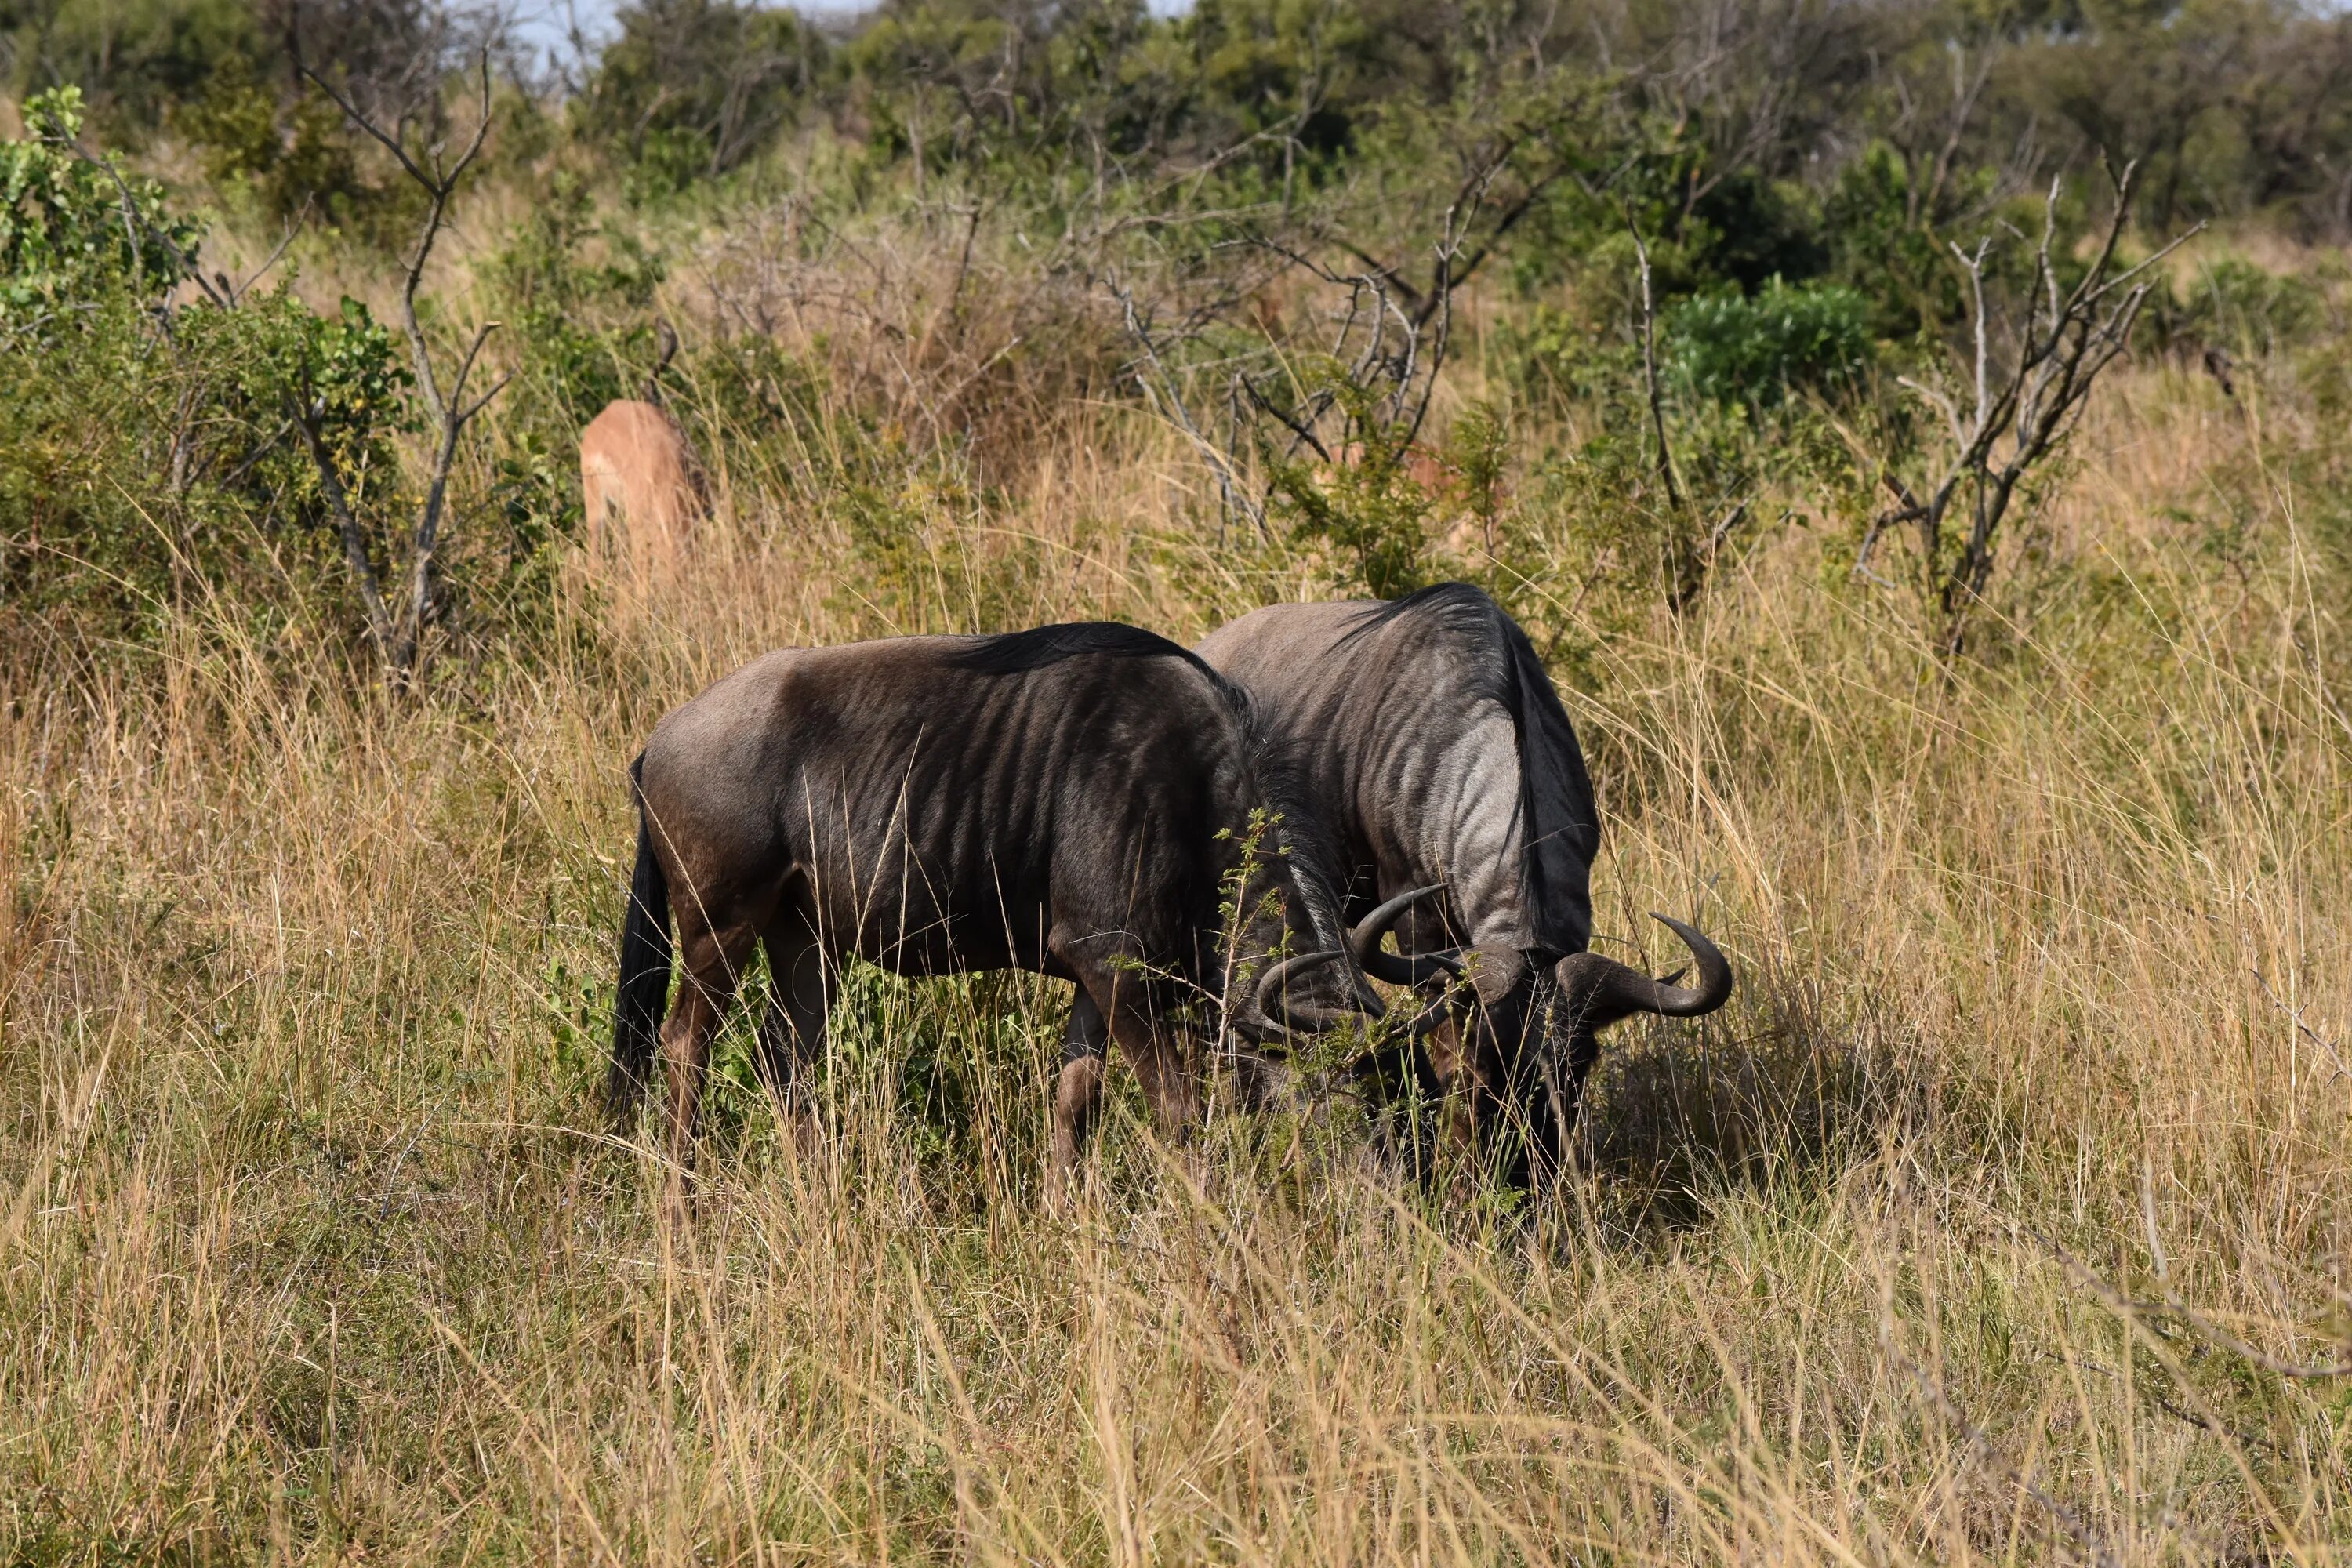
1995, 1220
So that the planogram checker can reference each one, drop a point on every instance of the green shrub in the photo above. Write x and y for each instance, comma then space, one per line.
281, 155
65, 234
1365, 505
1754, 350
2234, 305
146, 450
132, 59
584, 323
692, 88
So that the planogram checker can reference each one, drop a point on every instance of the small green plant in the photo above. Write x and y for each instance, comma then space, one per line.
1756, 350
1359, 496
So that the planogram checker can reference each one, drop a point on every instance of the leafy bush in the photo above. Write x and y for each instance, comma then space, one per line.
1754, 350
692, 88
2234, 305
144, 447
132, 59
65, 233
1364, 503
585, 325
280, 153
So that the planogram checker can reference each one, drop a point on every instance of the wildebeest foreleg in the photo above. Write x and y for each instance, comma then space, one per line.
1155, 1050
1077, 1092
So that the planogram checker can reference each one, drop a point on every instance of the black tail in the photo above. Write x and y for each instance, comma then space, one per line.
645, 967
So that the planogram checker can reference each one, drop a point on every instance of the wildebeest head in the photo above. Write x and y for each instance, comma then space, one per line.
1529, 1033
1433, 741
1537, 999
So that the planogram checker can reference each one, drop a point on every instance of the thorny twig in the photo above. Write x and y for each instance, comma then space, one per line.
1650, 372
2174, 1307
1159, 387
1391, 341
2295, 1016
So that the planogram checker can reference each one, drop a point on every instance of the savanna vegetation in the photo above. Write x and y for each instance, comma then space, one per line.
1916, 433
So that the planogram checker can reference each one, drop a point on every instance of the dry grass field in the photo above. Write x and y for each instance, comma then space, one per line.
2003, 1216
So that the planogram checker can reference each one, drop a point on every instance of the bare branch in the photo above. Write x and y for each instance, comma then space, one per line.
1164, 396
364, 582
449, 412
466, 366
1304, 430
352, 113
237, 292
1942, 402
2062, 344
483, 402
1722, 529
1649, 371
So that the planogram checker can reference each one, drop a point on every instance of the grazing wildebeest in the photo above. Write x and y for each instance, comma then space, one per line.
1433, 747
1070, 800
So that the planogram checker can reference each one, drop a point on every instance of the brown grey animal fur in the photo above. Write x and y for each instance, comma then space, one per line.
1432, 742
1070, 800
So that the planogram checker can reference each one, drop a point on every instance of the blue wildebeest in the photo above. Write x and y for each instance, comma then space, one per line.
1073, 800
1431, 744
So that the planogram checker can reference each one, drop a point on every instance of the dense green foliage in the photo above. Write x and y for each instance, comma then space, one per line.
143, 440
73, 230
1176, 207
1731, 347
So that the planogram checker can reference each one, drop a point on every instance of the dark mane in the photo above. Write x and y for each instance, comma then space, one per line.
1011, 653
1558, 816
1458, 603
1479, 626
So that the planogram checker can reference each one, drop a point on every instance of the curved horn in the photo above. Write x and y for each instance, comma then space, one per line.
1368, 934
1600, 991
1278, 1012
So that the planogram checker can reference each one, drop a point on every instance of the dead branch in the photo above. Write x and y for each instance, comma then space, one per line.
2016, 417
1159, 388
448, 409
1650, 372
2295, 1016
2172, 1306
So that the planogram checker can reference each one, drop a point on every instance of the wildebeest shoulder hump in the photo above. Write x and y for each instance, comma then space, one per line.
1558, 817
1013, 653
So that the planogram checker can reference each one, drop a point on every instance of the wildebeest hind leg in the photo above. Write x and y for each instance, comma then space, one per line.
715, 956
792, 1031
